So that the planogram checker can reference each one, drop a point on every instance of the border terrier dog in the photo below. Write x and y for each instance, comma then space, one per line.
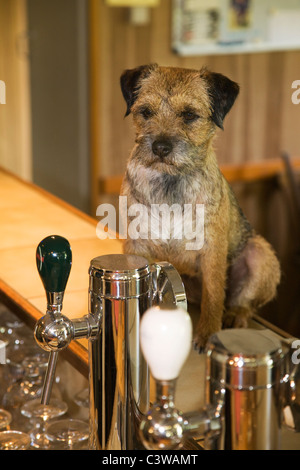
176, 113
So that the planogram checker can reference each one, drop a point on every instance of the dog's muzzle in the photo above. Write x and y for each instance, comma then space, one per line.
162, 147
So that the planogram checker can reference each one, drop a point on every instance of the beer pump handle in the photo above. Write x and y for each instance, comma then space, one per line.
54, 260
166, 338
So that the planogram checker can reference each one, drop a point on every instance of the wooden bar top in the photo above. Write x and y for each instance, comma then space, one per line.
27, 215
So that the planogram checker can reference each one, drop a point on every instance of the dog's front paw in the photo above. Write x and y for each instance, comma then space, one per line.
203, 333
199, 342
236, 317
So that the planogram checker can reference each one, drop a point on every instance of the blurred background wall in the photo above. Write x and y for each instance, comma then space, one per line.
61, 61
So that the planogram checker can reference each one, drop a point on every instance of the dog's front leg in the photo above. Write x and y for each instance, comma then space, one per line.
213, 269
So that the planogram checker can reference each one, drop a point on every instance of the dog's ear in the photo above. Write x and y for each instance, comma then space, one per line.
223, 93
130, 83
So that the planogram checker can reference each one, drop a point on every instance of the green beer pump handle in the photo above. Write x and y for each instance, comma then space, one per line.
54, 260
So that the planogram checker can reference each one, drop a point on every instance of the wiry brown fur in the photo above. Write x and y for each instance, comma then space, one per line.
236, 268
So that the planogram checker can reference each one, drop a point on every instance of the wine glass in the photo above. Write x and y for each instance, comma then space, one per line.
39, 415
67, 434
29, 386
16, 335
5, 419
14, 440
82, 398
13, 329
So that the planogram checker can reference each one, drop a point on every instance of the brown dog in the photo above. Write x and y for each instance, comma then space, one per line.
176, 112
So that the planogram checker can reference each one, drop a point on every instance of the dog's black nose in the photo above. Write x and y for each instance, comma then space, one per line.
162, 147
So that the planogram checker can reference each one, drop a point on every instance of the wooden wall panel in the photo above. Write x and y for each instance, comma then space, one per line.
262, 122
15, 117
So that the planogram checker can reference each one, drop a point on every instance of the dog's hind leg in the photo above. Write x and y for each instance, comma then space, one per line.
252, 281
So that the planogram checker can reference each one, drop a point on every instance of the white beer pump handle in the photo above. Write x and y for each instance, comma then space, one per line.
166, 338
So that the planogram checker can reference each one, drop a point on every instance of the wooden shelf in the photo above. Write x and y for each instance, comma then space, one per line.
244, 172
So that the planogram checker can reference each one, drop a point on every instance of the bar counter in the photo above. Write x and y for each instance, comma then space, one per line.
27, 215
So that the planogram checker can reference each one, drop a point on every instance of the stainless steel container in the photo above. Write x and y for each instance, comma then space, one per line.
246, 376
122, 288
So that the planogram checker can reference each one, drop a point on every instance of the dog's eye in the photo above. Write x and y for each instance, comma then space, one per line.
146, 113
189, 116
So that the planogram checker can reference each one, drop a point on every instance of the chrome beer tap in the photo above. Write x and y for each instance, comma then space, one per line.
54, 260
121, 289
54, 331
